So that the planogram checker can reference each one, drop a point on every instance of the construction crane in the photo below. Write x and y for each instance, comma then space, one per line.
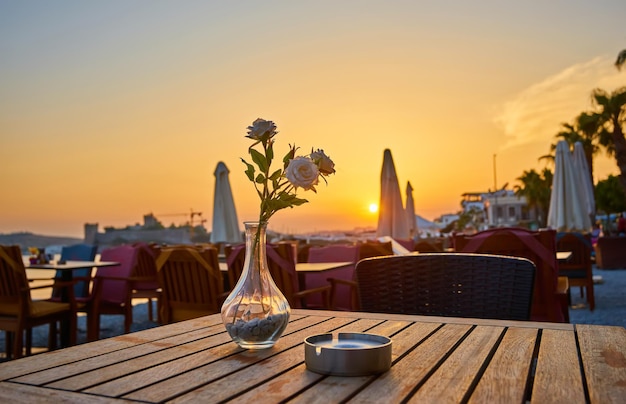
192, 214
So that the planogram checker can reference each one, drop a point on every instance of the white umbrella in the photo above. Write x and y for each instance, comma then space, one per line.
410, 211
580, 164
391, 215
568, 211
225, 223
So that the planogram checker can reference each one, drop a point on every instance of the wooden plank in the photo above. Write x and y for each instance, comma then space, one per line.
172, 378
454, 377
334, 388
144, 359
603, 352
504, 379
399, 381
264, 371
19, 393
442, 320
64, 356
558, 377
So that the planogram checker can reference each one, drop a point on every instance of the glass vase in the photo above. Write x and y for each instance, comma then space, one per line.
256, 312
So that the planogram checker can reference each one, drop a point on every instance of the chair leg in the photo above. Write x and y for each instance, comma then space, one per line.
582, 294
590, 297
150, 309
18, 343
8, 337
52, 336
93, 326
29, 341
128, 318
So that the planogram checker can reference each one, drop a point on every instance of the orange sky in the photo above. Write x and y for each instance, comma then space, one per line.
112, 110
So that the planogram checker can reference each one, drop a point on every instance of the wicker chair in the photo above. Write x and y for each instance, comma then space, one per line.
578, 267
550, 294
447, 284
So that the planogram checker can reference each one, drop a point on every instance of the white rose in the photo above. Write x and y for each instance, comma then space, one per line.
261, 129
323, 162
302, 172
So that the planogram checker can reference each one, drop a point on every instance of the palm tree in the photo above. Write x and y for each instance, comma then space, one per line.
611, 116
585, 130
536, 189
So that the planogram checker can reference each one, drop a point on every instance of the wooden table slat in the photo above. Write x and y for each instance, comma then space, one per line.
505, 378
603, 351
558, 377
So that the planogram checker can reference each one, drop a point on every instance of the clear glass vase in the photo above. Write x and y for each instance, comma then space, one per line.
256, 312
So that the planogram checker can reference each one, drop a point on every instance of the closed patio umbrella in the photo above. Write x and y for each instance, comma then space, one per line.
568, 209
581, 166
410, 211
391, 214
225, 227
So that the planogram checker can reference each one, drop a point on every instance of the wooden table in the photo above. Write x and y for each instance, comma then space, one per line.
66, 269
435, 359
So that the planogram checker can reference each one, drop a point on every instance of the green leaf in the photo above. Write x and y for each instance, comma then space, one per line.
259, 159
249, 171
276, 175
260, 178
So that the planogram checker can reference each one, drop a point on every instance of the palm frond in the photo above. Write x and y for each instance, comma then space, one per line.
621, 59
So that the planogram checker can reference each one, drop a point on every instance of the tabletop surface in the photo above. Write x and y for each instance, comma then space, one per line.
308, 266
73, 265
435, 359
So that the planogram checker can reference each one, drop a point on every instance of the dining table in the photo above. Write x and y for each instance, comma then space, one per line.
66, 270
433, 359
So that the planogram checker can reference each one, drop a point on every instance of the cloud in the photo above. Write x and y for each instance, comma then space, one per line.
536, 113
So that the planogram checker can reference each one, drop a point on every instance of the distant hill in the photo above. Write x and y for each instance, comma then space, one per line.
25, 240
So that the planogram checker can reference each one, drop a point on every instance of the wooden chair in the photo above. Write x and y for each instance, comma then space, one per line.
550, 297
577, 268
426, 246
282, 267
19, 313
146, 268
447, 284
374, 248
191, 283
235, 256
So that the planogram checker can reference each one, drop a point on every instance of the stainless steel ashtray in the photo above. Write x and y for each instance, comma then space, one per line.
348, 354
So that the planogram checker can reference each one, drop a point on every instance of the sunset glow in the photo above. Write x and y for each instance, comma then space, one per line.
112, 110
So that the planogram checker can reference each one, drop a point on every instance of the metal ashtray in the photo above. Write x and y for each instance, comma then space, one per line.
349, 354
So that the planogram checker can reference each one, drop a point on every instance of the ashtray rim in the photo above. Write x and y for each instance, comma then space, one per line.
348, 336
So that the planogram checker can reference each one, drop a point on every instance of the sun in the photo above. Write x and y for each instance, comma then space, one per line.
373, 208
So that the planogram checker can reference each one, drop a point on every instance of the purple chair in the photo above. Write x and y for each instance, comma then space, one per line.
342, 295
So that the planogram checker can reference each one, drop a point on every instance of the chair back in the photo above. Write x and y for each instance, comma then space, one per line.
145, 268
191, 282
235, 257
334, 253
578, 265
77, 252
13, 282
282, 266
426, 246
537, 246
115, 291
447, 284
370, 249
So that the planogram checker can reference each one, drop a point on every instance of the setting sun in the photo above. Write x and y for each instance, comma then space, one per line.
373, 208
